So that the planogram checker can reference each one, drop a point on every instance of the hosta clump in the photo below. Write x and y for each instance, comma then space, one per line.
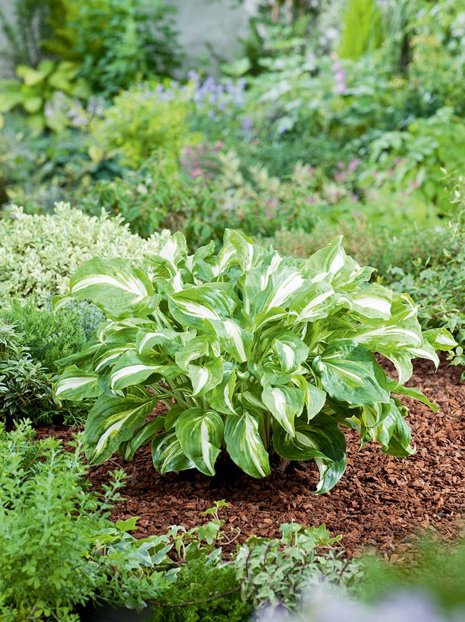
250, 352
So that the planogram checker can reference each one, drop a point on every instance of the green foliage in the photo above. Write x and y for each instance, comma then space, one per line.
154, 197
135, 40
196, 595
416, 158
383, 247
39, 253
437, 54
48, 527
437, 284
141, 122
35, 90
258, 352
274, 572
58, 547
25, 389
49, 336
362, 29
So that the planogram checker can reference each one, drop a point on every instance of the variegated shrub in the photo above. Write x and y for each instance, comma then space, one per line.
249, 352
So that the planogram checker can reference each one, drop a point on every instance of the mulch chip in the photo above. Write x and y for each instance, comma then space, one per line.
380, 502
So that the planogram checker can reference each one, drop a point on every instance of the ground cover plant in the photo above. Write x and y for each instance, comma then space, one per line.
60, 550
247, 350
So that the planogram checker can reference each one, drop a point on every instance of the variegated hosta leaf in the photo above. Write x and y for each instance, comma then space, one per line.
163, 339
245, 445
313, 301
142, 436
291, 352
221, 397
284, 403
114, 420
132, 369
440, 339
393, 433
201, 436
415, 394
321, 440
315, 398
370, 300
113, 286
167, 454
350, 374
281, 285
234, 339
195, 349
195, 306
206, 377
332, 265
173, 249
75, 385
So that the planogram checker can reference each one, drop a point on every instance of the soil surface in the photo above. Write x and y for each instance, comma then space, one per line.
380, 502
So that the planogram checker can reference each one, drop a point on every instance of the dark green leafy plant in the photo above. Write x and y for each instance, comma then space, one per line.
49, 336
206, 589
48, 526
249, 352
25, 384
136, 39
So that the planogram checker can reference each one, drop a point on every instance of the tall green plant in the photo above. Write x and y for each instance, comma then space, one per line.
248, 351
362, 29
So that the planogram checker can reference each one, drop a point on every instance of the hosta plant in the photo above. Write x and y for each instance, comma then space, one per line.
250, 353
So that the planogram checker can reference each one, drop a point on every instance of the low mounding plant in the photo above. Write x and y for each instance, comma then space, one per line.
38, 253
249, 351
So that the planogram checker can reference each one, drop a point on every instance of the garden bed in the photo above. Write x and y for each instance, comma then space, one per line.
379, 502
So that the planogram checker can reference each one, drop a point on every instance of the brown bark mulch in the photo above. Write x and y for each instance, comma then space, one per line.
379, 502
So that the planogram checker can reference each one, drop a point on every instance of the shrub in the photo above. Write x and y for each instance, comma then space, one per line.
58, 548
48, 527
142, 121
382, 247
276, 573
135, 39
24, 386
49, 336
191, 598
257, 352
437, 284
25, 383
39, 253
154, 197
